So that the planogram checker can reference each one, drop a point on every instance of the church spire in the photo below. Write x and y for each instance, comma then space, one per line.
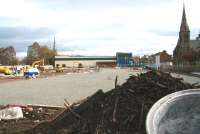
184, 34
184, 25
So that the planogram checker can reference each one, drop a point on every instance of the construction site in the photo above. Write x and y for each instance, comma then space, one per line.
94, 84
118, 98
89, 95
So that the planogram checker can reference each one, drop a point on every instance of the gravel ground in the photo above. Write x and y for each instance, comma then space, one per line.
73, 87
53, 90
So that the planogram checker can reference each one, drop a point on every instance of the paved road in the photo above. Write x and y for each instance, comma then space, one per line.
53, 90
189, 79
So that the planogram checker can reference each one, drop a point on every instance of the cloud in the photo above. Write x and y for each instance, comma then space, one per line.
22, 37
20, 46
94, 4
20, 55
96, 26
25, 33
166, 33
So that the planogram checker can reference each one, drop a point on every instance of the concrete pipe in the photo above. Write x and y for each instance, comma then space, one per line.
176, 113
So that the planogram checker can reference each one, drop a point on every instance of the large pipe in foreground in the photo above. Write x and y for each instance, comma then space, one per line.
176, 113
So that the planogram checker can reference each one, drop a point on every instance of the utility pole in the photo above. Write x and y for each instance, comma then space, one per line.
54, 50
54, 44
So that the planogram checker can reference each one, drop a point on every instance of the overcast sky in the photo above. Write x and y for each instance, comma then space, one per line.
96, 27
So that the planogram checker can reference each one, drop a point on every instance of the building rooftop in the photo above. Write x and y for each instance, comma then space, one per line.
85, 57
63, 56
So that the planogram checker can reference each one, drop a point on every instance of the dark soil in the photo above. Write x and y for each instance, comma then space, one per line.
122, 110
33, 115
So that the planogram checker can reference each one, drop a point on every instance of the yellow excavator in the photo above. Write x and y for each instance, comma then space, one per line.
37, 62
5, 70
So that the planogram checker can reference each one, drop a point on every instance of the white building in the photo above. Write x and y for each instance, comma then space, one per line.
85, 61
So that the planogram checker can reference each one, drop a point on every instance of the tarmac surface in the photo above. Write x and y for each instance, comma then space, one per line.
186, 78
73, 87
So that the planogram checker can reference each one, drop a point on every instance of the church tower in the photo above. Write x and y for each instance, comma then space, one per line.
183, 44
184, 34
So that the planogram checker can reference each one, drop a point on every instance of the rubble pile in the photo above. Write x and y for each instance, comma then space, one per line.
122, 110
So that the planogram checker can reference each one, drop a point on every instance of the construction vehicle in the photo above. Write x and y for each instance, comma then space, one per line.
5, 70
37, 62
32, 71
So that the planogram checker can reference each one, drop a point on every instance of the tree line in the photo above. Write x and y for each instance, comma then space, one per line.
8, 56
35, 52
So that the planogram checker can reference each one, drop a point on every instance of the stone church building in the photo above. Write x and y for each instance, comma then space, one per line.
187, 52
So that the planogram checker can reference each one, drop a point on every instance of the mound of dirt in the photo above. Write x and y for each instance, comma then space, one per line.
122, 110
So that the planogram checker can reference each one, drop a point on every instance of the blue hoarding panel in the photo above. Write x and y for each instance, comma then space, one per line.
124, 59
